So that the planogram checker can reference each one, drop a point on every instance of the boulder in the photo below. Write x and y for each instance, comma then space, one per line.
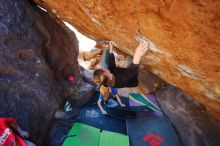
184, 38
193, 125
184, 51
37, 51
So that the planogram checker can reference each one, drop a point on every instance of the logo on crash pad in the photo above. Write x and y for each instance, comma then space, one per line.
92, 114
85, 136
153, 139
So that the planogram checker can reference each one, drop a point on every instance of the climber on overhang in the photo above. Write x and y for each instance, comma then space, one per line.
116, 77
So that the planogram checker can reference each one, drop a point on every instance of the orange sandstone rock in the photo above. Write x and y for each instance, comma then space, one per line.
184, 35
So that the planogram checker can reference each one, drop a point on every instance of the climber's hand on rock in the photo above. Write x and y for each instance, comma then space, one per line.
105, 44
111, 46
140, 51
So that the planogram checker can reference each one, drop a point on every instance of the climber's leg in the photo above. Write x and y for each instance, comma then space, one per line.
105, 59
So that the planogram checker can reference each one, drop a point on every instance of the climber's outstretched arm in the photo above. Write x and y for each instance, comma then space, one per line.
140, 51
101, 108
119, 101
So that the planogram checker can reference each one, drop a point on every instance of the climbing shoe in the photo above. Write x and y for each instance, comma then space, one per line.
68, 105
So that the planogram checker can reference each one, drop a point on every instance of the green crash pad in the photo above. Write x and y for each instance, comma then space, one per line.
84, 135
113, 139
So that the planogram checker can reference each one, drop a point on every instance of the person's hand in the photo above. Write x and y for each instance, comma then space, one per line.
139, 52
111, 46
104, 112
122, 105
24, 134
105, 44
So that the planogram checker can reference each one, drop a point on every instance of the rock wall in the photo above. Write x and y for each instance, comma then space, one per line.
36, 53
184, 37
193, 125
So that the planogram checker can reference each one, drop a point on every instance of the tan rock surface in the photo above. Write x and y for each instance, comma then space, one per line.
185, 37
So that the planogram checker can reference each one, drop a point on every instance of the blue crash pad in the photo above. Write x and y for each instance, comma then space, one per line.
151, 131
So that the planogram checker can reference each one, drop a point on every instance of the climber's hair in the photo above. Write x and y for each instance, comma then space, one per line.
105, 92
100, 78
105, 83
